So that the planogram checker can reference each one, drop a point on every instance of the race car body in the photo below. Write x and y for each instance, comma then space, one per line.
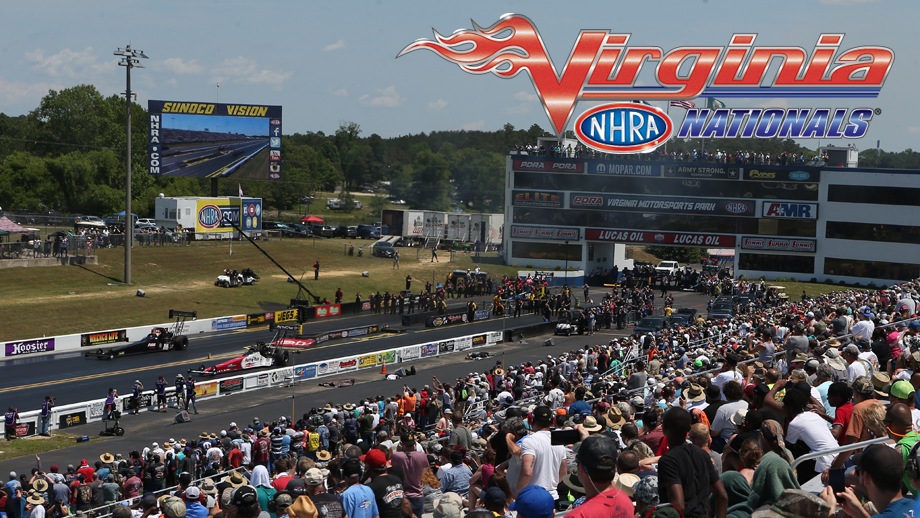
257, 357
159, 339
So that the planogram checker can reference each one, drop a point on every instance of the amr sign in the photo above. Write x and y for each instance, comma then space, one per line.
789, 210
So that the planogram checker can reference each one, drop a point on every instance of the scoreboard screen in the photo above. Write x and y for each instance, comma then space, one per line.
212, 140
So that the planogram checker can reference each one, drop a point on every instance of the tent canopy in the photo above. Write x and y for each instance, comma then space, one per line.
312, 219
9, 226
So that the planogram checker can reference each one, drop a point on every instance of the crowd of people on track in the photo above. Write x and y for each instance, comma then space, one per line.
711, 417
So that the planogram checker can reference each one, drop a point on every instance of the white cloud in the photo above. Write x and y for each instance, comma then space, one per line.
913, 130
68, 63
334, 46
246, 70
341, 92
438, 105
849, 2
525, 96
181, 66
17, 92
473, 126
388, 97
526, 101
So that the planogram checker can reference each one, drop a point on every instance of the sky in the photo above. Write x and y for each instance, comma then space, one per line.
334, 62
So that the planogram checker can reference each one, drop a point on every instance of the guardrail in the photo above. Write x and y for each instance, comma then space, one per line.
75, 414
839, 449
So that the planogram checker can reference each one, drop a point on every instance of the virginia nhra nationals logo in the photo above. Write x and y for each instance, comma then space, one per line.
603, 67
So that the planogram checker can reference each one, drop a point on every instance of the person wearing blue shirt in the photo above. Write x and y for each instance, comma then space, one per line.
160, 388
880, 472
579, 406
45, 422
358, 500
190, 394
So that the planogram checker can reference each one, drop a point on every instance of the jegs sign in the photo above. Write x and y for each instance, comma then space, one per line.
603, 67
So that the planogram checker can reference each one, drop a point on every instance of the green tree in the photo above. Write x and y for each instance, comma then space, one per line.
479, 179
26, 185
430, 182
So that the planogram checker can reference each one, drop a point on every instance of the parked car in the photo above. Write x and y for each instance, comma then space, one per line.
306, 230
669, 267
285, 229
345, 231
650, 325
722, 311
383, 249
145, 222
368, 232
321, 230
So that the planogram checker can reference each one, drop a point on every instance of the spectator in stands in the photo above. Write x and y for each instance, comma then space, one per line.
686, 475
879, 471
541, 462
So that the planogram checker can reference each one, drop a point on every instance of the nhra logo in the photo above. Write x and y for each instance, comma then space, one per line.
623, 128
736, 207
209, 216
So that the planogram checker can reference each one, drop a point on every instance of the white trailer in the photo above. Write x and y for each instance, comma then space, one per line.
458, 227
487, 228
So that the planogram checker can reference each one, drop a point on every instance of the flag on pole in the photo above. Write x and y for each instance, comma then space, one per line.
714, 104
240, 186
639, 101
683, 104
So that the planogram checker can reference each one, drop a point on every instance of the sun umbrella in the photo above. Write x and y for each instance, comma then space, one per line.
312, 219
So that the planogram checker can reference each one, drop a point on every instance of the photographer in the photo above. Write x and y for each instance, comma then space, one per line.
45, 421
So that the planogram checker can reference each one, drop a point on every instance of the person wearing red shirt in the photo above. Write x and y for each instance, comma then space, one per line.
840, 396
596, 464
235, 457
86, 470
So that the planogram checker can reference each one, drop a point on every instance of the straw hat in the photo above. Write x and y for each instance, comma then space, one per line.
323, 456
615, 419
107, 458
40, 485
499, 371
695, 393
35, 498
236, 479
591, 424
348, 406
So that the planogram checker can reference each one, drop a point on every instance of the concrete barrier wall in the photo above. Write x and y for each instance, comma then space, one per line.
76, 414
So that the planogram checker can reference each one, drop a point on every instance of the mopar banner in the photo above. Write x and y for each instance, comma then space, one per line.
234, 322
305, 371
445, 320
429, 350
330, 310
29, 347
410, 353
663, 204
624, 168
230, 385
71, 419
103, 338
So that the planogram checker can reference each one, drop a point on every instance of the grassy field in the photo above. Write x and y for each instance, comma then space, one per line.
58, 300
37, 444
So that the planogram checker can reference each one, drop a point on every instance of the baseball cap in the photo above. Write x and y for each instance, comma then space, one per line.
542, 414
314, 477
852, 349
598, 454
375, 459
534, 502
192, 493
494, 496
173, 507
244, 495
902, 389
862, 385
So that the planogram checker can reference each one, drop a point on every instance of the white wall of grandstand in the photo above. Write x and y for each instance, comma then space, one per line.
813, 220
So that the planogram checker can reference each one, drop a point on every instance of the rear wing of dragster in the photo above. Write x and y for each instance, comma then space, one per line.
291, 278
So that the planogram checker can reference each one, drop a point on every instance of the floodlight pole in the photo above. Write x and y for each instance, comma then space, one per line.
129, 60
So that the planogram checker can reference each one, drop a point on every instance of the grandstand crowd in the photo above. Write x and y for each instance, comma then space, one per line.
705, 418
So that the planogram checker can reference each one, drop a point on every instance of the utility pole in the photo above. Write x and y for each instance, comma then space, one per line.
129, 59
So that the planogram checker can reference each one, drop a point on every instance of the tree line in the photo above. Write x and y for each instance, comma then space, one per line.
68, 155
